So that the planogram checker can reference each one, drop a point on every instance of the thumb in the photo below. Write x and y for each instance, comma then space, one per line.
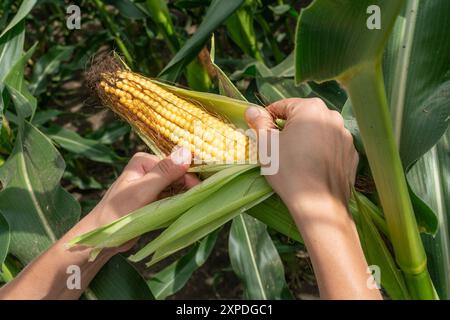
168, 170
259, 119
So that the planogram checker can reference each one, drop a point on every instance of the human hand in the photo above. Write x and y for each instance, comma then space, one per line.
317, 168
145, 179
317, 159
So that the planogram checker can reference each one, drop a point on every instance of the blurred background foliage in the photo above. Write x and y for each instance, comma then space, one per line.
171, 40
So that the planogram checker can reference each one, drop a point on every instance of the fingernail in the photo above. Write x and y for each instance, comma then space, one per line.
252, 113
181, 156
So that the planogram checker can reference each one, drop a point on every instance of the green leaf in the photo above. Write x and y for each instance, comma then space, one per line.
286, 68
255, 259
73, 142
37, 209
6, 137
427, 220
241, 29
118, 280
158, 214
330, 48
24, 9
48, 65
273, 87
158, 11
274, 213
375, 249
4, 239
23, 100
235, 197
11, 47
429, 178
128, 9
80, 179
111, 133
280, 9
417, 74
174, 277
217, 12
43, 116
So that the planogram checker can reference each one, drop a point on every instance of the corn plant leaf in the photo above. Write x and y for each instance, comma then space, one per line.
174, 277
11, 47
4, 239
157, 214
375, 249
118, 280
286, 68
417, 77
158, 11
255, 259
169, 247
7, 8
226, 87
273, 87
241, 29
44, 116
24, 9
429, 178
235, 197
37, 209
129, 9
48, 65
346, 40
24, 101
217, 12
82, 147
109, 133
274, 213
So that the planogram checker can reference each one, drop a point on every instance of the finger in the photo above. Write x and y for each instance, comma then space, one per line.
286, 108
140, 164
259, 119
186, 182
337, 118
191, 180
166, 172
355, 167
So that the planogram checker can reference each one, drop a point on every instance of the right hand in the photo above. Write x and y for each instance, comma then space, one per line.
317, 168
317, 159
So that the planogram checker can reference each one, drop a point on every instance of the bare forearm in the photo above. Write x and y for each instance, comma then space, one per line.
333, 245
47, 276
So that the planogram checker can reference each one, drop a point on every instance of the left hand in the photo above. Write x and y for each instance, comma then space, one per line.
145, 179
142, 181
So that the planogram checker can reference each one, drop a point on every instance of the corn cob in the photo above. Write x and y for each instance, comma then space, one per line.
172, 121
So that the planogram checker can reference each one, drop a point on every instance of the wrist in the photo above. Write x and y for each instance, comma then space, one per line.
316, 211
90, 222
303, 202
